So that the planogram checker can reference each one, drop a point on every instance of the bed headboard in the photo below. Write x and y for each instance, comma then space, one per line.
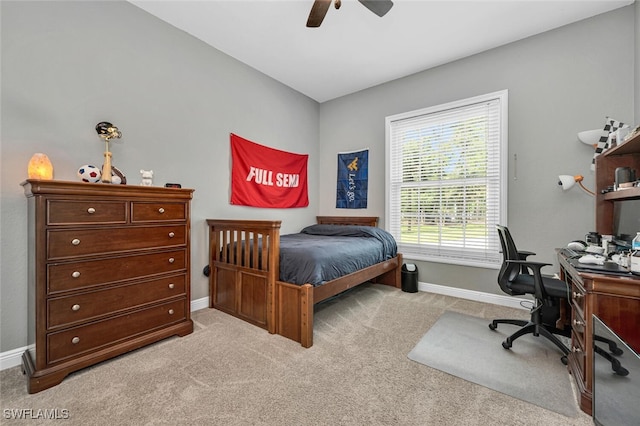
348, 220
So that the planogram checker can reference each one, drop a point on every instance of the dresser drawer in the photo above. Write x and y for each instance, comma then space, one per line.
66, 212
64, 311
91, 273
157, 211
87, 242
78, 340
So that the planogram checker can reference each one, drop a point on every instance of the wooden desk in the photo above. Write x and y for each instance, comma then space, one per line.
616, 301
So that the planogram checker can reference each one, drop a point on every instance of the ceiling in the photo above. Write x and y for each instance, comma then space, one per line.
354, 49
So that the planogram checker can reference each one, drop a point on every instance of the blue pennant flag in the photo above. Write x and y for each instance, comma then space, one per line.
353, 183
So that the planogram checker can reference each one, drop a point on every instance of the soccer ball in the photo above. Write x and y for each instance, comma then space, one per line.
89, 173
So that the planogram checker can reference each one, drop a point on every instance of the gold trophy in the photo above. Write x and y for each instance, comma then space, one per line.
107, 131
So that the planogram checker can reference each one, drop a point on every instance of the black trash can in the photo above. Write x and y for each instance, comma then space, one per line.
409, 278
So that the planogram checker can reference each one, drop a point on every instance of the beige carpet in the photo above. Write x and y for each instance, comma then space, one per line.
231, 373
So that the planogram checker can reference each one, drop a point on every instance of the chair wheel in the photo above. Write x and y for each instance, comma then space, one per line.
506, 344
564, 359
618, 368
621, 371
493, 326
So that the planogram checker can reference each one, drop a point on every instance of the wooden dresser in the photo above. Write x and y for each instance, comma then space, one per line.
108, 273
613, 299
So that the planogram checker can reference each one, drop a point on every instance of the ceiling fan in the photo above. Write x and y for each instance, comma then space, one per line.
320, 8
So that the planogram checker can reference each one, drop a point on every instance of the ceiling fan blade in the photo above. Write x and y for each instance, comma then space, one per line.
379, 7
318, 12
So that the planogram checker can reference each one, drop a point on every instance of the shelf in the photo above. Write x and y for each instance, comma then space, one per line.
631, 146
608, 203
623, 194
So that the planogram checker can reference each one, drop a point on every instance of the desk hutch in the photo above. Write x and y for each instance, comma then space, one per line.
626, 154
614, 299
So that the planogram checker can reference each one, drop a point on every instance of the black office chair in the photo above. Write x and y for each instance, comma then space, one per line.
519, 276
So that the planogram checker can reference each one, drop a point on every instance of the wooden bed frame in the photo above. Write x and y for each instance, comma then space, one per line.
244, 281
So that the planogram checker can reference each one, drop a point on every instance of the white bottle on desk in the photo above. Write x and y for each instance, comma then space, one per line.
635, 244
634, 256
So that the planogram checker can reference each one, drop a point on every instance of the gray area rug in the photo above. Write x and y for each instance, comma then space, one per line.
465, 347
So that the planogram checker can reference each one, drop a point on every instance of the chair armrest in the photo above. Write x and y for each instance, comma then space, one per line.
523, 254
529, 262
536, 267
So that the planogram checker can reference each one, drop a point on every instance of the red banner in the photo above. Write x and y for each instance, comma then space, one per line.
267, 177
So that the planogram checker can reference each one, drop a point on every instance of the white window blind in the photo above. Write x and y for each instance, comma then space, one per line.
446, 180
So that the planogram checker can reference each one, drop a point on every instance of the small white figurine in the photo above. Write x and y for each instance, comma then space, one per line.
147, 177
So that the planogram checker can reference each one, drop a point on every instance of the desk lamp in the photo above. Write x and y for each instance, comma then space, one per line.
590, 137
567, 182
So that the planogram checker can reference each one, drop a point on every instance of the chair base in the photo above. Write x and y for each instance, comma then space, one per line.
528, 327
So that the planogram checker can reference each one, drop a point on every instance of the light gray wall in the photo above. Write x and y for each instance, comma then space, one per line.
68, 65
559, 82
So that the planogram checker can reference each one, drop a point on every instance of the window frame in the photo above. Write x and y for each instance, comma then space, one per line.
417, 251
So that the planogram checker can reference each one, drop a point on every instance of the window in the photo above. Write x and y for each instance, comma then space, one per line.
446, 180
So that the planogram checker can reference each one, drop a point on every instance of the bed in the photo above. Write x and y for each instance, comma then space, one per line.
245, 274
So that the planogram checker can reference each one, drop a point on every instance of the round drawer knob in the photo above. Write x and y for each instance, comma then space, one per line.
75, 340
75, 241
75, 307
172, 234
170, 311
91, 210
171, 260
75, 274
160, 210
172, 285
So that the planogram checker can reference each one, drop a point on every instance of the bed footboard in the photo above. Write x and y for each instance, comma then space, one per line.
244, 261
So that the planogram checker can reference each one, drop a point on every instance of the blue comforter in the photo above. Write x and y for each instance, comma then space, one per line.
321, 253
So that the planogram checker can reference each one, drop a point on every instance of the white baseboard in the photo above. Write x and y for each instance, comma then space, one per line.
13, 357
478, 296
198, 304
